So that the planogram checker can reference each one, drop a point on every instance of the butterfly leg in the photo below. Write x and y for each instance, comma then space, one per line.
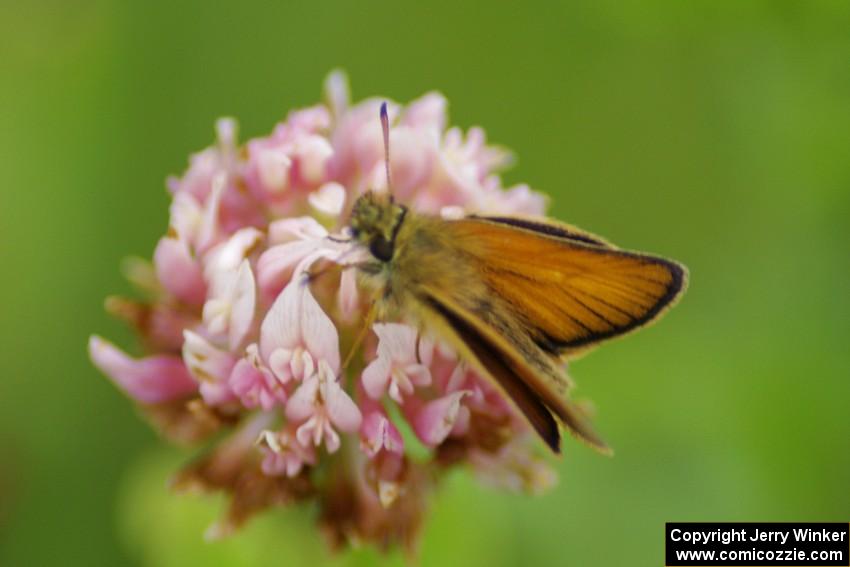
418, 343
361, 336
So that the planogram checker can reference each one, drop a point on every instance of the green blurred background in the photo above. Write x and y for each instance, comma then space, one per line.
715, 132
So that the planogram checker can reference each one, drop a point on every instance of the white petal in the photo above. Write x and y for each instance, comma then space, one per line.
226, 129
300, 228
185, 216
337, 92
331, 439
376, 376
206, 362
209, 228
273, 168
397, 341
227, 257
282, 326
280, 362
244, 303
277, 264
313, 153
419, 374
452, 212
347, 296
318, 331
215, 315
302, 404
342, 410
328, 199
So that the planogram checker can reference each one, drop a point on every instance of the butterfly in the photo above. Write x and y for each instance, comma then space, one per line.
515, 296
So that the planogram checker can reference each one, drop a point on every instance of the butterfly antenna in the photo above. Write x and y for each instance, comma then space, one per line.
385, 126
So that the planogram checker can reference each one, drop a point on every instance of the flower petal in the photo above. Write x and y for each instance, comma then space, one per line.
376, 376
273, 168
150, 380
204, 361
396, 341
227, 130
347, 296
318, 331
328, 199
342, 410
312, 153
227, 257
302, 404
254, 385
281, 327
276, 265
419, 374
337, 92
435, 420
178, 271
427, 113
185, 216
208, 231
299, 228
379, 433
243, 304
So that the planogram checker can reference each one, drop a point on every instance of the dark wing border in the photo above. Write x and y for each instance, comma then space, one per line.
557, 230
678, 282
526, 400
525, 385
582, 239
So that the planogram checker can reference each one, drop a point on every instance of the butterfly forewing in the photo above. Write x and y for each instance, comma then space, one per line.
570, 293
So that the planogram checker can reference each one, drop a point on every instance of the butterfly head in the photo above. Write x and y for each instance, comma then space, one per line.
375, 221
375, 217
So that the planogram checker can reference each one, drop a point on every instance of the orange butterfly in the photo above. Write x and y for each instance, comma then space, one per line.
514, 295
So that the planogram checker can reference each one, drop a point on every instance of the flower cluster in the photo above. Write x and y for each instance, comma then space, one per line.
241, 341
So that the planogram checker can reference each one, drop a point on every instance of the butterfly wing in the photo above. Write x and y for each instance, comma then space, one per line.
532, 381
571, 289
548, 227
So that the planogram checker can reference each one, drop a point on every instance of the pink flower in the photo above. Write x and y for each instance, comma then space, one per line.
204, 166
347, 296
293, 157
254, 383
328, 199
434, 420
398, 367
198, 222
356, 141
297, 335
256, 285
378, 433
514, 468
230, 309
210, 366
382, 443
159, 325
427, 114
283, 454
149, 380
319, 404
518, 200
179, 272
297, 244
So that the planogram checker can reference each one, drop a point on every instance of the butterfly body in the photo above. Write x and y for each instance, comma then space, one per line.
515, 296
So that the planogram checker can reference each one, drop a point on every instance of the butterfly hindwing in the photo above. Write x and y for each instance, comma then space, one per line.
531, 379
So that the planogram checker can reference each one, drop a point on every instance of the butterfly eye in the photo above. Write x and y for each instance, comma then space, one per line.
381, 248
